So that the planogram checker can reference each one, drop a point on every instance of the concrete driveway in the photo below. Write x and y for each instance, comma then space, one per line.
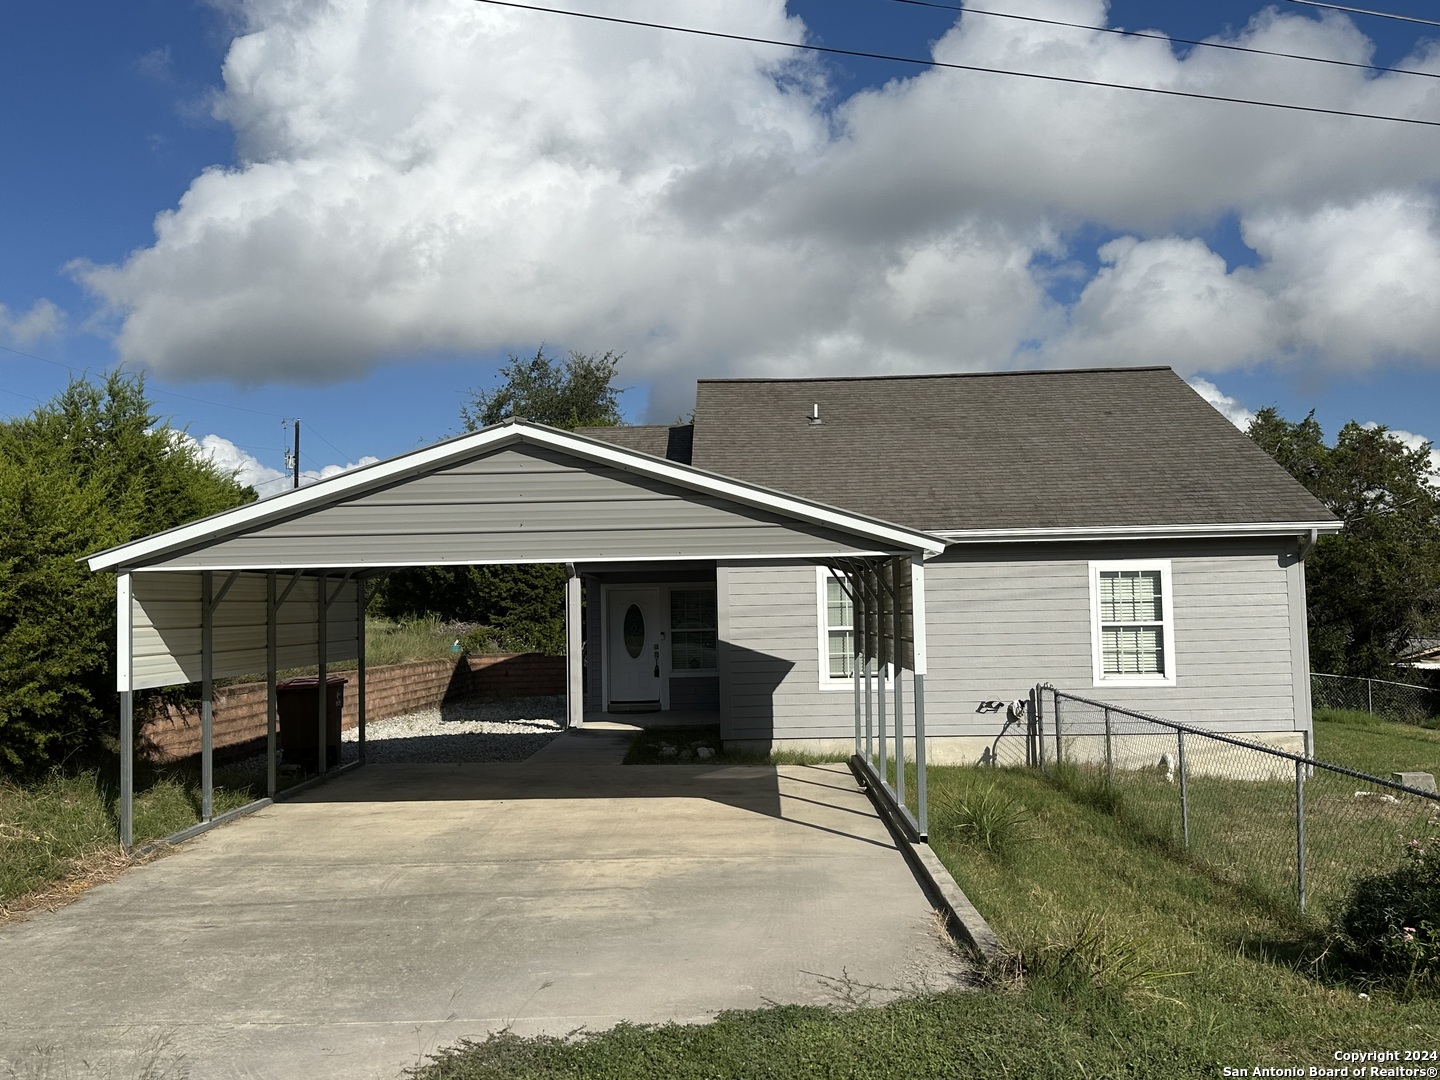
401, 907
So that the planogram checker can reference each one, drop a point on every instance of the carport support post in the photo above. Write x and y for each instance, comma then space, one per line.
855, 667
920, 661
207, 694
880, 674
270, 646
124, 663
868, 648
360, 666
574, 668
321, 690
896, 623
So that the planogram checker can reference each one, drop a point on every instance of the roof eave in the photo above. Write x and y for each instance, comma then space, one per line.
1143, 532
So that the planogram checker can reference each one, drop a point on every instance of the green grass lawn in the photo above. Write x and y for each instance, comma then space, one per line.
1369, 744
55, 828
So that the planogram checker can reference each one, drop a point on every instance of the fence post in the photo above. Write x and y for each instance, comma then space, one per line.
1370, 696
1059, 754
1300, 833
1039, 727
1109, 755
1184, 790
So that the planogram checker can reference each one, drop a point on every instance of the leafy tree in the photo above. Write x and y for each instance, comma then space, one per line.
570, 393
90, 469
1375, 586
522, 607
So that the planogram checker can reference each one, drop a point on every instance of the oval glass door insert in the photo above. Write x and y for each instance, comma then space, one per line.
634, 631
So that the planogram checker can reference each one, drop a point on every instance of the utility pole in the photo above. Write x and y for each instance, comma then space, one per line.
292, 460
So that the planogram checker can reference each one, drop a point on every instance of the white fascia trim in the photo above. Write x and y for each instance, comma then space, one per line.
1142, 532
494, 438
606, 560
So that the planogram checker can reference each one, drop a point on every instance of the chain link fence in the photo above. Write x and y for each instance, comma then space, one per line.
1279, 824
1408, 703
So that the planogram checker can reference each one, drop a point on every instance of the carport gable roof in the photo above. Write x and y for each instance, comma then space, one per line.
727, 518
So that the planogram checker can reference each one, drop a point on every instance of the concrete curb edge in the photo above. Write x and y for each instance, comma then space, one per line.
937, 882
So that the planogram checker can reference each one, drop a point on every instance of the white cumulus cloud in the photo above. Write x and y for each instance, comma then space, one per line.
1226, 405
442, 175
249, 470
43, 320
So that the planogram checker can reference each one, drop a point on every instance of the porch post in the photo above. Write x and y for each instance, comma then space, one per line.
917, 619
270, 647
207, 694
574, 655
124, 682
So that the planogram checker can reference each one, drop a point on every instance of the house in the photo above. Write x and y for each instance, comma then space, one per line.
1106, 531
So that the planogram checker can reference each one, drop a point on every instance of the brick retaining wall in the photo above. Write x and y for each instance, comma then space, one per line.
170, 733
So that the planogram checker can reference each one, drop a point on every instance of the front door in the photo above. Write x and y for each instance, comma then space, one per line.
632, 641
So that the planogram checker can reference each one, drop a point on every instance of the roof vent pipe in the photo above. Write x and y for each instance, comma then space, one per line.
815, 414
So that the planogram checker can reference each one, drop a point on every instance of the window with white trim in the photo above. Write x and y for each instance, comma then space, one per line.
838, 619
1132, 626
692, 630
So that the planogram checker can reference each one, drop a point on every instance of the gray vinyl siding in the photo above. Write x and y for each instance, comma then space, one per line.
166, 626
770, 656
1000, 619
522, 504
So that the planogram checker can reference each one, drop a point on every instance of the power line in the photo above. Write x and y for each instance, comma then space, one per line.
1168, 38
866, 55
310, 427
1368, 11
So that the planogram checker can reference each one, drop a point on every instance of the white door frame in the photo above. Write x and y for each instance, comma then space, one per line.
606, 643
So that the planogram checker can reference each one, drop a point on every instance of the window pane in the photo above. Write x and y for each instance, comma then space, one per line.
1130, 596
1133, 650
692, 609
692, 650
838, 611
842, 654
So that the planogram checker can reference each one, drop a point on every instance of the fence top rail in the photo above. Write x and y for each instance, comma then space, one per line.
1367, 678
1273, 751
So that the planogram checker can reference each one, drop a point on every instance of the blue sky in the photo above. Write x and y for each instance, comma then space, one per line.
376, 211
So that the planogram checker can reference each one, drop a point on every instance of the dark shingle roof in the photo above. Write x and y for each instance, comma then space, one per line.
670, 441
1017, 450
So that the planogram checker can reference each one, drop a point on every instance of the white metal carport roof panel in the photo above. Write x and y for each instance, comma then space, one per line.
780, 517
522, 503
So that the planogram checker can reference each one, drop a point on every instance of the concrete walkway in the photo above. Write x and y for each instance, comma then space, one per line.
401, 907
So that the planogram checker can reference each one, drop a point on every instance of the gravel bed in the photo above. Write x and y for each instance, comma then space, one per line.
476, 730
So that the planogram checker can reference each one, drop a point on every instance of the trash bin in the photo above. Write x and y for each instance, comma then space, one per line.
299, 725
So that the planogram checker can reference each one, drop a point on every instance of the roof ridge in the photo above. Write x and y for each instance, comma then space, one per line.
945, 375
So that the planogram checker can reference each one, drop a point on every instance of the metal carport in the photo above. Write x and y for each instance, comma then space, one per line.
282, 582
